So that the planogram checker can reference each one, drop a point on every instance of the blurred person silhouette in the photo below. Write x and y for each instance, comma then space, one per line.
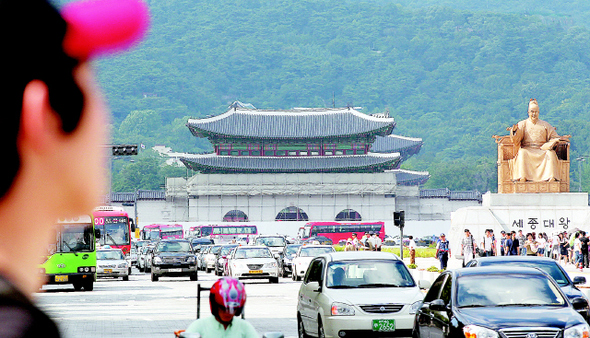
55, 127
227, 298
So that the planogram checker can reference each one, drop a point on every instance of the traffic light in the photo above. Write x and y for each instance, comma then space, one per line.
399, 218
124, 149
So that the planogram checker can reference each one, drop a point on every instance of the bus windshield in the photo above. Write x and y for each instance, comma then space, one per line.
114, 230
75, 238
172, 231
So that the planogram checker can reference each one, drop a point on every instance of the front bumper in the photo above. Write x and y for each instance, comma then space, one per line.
112, 272
256, 274
361, 325
69, 278
174, 271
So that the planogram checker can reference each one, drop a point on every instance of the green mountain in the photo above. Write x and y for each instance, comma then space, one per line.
453, 75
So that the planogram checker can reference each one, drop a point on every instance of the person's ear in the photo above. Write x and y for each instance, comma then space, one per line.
39, 123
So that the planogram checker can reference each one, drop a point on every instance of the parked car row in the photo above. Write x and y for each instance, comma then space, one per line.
362, 293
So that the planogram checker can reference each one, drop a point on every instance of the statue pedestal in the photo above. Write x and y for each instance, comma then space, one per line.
509, 187
540, 212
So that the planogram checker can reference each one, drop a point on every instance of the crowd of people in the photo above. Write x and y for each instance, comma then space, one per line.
369, 241
567, 248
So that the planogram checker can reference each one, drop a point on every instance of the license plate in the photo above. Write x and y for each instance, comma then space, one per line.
61, 278
108, 270
255, 271
384, 325
175, 270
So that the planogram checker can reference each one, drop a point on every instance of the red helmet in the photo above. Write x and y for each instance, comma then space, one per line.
229, 295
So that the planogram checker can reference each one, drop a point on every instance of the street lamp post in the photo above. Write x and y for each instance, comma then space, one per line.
580, 159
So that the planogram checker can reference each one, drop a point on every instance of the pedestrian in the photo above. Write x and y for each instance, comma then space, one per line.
521, 240
443, 251
584, 247
355, 241
541, 245
504, 237
412, 249
55, 125
487, 244
375, 242
564, 246
578, 251
530, 245
467, 247
349, 245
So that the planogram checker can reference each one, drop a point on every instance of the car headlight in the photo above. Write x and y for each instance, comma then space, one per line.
191, 260
341, 309
578, 331
157, 260
270, 265
415, 306
220, 261
122, 265
474, 331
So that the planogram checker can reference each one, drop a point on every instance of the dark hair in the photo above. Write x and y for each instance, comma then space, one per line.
32, 33
411, 237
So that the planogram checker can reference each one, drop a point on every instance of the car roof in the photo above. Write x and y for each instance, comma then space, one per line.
514, 259
498, 269
355, 255
252, 247
174, 240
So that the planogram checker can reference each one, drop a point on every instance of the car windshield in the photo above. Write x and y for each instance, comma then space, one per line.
215, 249
549, 268
292, 249
271, 241
507, 290
226, 249
253, 253
174, 247
314, 251
109, 255
368, 274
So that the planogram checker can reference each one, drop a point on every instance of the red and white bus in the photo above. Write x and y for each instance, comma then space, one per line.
224, 233
337, 231
115, 227
154, 232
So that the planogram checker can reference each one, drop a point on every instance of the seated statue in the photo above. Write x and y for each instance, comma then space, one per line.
536, 160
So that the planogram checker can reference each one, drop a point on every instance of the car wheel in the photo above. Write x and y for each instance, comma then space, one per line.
321, 332
78, 286
284, 273
125, 278
293, 277
89, 286
274, 280
300, 329
208, 270
194, 277
155, 278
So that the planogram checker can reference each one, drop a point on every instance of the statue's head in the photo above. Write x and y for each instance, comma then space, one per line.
533, 110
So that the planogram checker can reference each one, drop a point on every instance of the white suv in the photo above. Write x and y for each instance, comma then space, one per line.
358, 293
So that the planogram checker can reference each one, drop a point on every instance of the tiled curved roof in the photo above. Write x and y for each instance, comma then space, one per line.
396, 143
409, 177
291, 124
212, 163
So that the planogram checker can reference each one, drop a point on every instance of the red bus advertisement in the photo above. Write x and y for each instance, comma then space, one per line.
222, 233
154, 232
115, 227
337, 231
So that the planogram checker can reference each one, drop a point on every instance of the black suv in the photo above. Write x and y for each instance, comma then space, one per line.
174, 258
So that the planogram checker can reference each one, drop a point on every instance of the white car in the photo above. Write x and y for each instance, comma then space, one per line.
358, 293
210, 257
304, 256
111, 263
276, 243
253, 262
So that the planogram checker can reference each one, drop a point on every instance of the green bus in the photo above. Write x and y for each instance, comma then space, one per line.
71, 257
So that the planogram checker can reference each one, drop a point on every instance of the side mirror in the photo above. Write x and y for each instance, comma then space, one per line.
314, 286
424, 284
579, 280
438, 305
97, 233
579, 303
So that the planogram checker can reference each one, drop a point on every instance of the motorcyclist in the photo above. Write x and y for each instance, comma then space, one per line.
226, 298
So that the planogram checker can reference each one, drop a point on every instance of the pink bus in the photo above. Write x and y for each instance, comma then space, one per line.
337, 231
224, 233
154, 232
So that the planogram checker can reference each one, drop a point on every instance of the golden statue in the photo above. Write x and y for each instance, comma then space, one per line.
538, 154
